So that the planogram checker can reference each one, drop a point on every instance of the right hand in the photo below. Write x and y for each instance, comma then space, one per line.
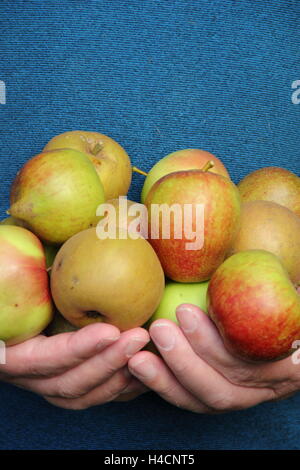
77, 370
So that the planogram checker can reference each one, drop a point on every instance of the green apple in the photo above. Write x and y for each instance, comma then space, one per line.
56, 194
187, 159
25, 301
108, 157
177, 293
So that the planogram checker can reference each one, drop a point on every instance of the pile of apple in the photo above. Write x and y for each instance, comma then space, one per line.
57, 274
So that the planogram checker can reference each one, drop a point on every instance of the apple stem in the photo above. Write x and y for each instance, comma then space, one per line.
137, 170
96, 149
208, 165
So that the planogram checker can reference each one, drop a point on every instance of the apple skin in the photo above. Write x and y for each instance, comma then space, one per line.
255, 306
177, 293
57, 194
13, 221
187, 159
127, 218
116, 281
269, 226
272, 184
221, 201
50, 250
25, 301
110, 161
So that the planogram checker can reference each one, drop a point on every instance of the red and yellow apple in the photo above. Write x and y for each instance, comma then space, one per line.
26, 306
202, 226
255, 306
187, 159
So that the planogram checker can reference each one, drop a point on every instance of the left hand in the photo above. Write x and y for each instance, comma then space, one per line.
196, 372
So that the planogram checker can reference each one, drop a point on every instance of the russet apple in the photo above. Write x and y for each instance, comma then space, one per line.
187, 159
56, 194
217, 222
124, 214
269, 226
26, 305
118, 281
255, 306
108, 157
272, 184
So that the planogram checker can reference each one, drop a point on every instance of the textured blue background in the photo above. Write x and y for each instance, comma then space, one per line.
158, 76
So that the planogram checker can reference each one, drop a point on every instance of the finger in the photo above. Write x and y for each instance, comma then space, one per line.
134, 389
42, 356
207, 343
197, 376
104, 393
151, 370
94, 371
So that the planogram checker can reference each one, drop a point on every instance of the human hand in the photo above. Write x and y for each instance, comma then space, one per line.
77, 370
197, 373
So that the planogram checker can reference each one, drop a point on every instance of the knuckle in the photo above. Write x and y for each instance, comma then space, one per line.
167, 389
222, 402
181, 368
66, 390
114, 389
241, 376
285, 388
75, 405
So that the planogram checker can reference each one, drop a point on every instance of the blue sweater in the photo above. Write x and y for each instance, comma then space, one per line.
157, 76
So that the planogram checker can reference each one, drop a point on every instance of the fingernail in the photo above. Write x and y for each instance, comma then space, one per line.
134, 346
163, 336
187, 318
103, 343
144, 370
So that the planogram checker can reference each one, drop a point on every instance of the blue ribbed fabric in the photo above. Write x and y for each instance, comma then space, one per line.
158, 76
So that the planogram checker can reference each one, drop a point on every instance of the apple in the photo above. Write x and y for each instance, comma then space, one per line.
25, 300
187, 159
269, 226
272, 184
56, 194
177, 293
13, 221
124, 214
50, 250
207, 231
108, 157
118, 281
255, 306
